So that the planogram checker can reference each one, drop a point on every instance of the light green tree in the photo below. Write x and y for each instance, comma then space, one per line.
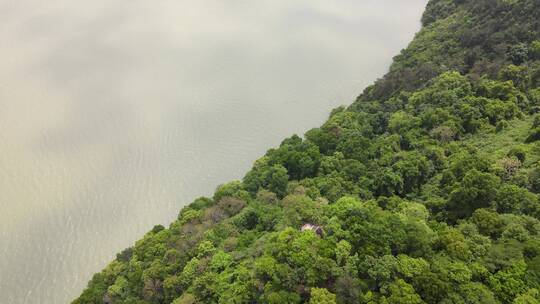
322, 296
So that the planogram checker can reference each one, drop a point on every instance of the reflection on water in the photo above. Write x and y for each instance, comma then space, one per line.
113, 114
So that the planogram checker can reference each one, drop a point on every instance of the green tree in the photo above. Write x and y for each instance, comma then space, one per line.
509, 283
532, 296
400, 292
513, 199
477, 190
343, 251
322, 296
518, 53
231, 189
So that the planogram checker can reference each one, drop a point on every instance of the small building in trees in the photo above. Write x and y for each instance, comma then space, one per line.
315, 228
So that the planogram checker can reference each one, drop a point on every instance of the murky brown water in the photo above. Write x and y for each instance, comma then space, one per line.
114, 114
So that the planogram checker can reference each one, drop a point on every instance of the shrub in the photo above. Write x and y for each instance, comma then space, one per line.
518, 53
535, 50
534, 135
518, 152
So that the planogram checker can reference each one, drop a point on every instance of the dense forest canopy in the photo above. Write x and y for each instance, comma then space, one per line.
425, 190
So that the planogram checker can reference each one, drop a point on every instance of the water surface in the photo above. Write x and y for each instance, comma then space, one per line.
114, 114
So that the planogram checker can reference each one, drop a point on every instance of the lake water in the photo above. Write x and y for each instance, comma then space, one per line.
114, 114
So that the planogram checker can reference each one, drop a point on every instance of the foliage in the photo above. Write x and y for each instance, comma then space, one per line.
322, 296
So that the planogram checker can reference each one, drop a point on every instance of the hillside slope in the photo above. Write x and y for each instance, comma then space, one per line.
424, 190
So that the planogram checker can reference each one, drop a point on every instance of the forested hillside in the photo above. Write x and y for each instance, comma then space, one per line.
424, 190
